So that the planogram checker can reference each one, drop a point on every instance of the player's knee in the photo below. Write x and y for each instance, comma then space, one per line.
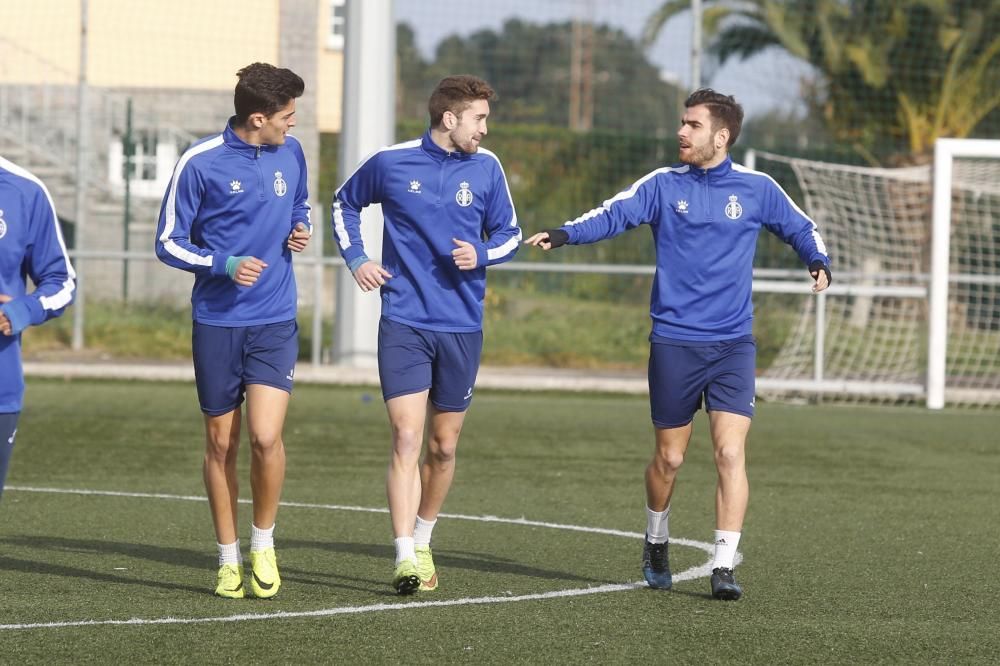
265, 442
218, 445
668, 462
729, 456
407, 441
442, 452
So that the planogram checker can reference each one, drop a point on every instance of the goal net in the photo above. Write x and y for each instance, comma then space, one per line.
877, 340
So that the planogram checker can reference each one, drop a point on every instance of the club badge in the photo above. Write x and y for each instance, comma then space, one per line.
733, 208
464, 195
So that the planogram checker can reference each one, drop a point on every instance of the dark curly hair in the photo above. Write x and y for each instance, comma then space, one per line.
723, 109
264, 88
455, 94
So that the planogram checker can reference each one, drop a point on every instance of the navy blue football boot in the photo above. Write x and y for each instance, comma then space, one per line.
724, 586
656, 565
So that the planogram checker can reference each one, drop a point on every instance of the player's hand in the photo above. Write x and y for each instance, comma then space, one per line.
820, 272
548, 239
248, 271
371, 276
464, 255
5, 326
299, 238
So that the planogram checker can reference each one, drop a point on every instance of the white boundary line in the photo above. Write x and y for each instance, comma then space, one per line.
694, 572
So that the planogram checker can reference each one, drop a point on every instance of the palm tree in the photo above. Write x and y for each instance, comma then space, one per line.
893, 74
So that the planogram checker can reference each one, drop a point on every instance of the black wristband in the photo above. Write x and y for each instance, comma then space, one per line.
817, 266
557, 237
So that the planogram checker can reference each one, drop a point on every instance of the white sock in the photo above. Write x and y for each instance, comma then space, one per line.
229, 553
422, 531
725, 549
404, 550
657, 525
261, 539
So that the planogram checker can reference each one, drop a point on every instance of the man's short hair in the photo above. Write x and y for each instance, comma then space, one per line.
264, 88
723, 109
456, 94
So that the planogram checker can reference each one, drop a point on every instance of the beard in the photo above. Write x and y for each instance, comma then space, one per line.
467, 145
700, 155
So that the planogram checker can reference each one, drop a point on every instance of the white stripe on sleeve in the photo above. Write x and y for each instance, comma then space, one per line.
61, 298
170, 210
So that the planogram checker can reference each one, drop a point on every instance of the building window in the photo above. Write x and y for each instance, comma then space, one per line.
338, 21
152, 163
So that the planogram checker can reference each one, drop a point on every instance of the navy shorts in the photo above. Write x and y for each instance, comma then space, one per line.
681, 373
411, 360
227, 359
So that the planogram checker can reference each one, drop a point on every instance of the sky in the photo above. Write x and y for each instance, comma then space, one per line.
763, 83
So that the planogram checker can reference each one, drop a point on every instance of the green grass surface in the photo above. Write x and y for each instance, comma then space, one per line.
871, 537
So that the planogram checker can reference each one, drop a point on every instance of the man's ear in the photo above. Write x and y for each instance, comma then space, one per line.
721, 138
449, 120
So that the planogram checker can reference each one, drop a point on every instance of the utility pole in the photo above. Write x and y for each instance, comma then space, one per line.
696, 46
581, 72
369, 122
79, 231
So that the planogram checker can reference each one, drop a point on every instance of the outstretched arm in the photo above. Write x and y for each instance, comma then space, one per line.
626, 210
549, 239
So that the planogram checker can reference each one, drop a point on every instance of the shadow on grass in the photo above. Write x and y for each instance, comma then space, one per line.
445, 559
379, 586
101, 549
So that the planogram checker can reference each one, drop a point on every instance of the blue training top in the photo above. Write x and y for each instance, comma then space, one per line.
229, 198
31, 245
705, 224
429, 197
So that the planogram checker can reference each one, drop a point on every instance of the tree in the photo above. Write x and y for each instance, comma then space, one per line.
529, 64
894, 74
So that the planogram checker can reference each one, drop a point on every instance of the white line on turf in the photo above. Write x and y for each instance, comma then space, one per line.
694, 572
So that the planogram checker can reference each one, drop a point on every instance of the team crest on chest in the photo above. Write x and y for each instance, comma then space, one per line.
3, 225
733, 209
464, 195
280, 186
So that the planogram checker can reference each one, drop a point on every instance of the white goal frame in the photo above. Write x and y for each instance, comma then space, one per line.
945, 152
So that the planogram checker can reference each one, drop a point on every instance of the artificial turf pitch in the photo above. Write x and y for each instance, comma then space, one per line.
872, 537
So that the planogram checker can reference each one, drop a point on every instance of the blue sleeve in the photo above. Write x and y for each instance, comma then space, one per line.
787, 221
180, 206
362, 188
46, 263
637, 205
503, 235
302, 212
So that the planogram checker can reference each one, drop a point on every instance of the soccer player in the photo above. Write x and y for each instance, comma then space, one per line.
705, 215
441, 196
236, 208
31, 245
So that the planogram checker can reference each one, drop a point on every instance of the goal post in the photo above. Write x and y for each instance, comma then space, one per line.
915, 314
946, 151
